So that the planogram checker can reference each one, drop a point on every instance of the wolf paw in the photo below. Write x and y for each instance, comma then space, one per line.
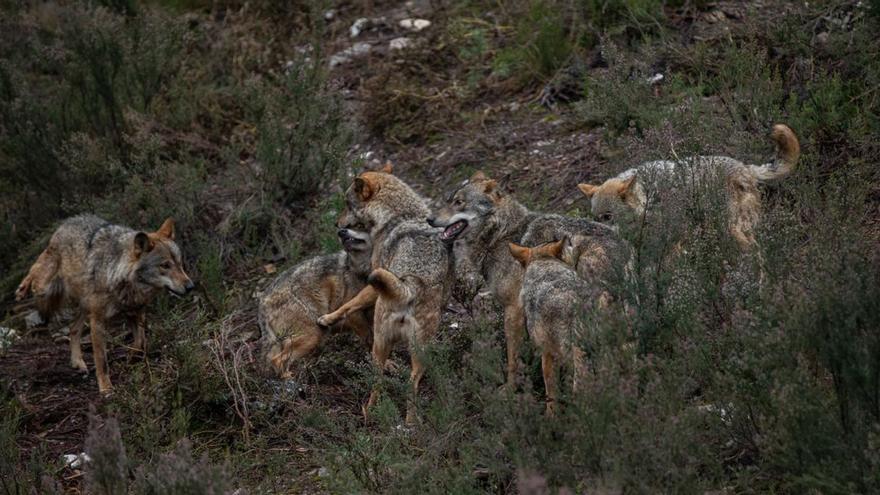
79, 365
327, 321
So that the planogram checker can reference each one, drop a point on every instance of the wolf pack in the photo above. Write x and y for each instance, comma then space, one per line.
399, 262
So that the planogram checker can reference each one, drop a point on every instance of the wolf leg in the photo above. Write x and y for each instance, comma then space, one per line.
99, 353
381, 351
415, 377
364, 299
140, 327
514, 324
76, 358
548, 369
292, 349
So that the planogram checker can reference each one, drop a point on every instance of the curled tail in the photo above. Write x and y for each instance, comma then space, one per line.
390, 286
44, 283
788, 150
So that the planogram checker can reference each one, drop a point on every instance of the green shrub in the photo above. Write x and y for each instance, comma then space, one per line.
303, 136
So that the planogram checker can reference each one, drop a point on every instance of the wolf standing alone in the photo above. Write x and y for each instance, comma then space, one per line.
104, 270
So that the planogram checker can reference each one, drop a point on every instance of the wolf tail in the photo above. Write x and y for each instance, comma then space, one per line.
788, 150
390, 286
45, 283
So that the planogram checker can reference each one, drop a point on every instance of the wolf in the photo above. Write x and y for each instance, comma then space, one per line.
625, 195
559, 306
480, 221
412, 271
105, 270
291, 304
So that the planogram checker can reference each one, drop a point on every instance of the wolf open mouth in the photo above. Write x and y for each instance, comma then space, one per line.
349, 242
453, 230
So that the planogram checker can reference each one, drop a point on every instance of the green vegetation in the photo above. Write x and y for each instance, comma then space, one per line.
720, 372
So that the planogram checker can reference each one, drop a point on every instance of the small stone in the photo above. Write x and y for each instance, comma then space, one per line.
358, 27
400, 43
329, 15
415, 24
270, 268
656, 78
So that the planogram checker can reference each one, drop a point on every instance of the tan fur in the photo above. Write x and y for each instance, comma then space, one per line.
556, 302
741, 180
289, 307
412, 272
104, 271
496, 219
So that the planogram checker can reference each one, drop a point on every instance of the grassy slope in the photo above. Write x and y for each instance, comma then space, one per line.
727, 385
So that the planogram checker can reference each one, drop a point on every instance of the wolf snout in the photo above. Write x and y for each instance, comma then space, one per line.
432, 221
189, 285
342, 232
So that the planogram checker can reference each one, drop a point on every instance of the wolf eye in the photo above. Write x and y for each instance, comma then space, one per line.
168, 265
605, 217
457, 202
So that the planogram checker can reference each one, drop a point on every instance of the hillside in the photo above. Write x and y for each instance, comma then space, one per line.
245, 122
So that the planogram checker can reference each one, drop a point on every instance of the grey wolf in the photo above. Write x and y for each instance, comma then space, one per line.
481, 220
626, 193
412, 271
105, 270
557, 304
291, 304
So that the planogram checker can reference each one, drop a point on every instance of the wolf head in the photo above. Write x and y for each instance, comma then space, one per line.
468, 209
157, 261
376, 198
614, 200
526, 255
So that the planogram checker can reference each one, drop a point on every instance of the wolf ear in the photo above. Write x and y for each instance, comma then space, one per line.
388, 168
142, 244
588, 189
478, 175
167, 229
490, 186
363, 188
520, 253
626, 186
554, 249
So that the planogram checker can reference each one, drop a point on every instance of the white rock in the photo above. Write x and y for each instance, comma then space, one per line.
453, 325
75, 461
7, 337
357, 28
346, 55
415, 24
656, 78
329, 15
399, 43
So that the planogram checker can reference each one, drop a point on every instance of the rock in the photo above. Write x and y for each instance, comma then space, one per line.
8, 336
655, 79
415, 24
400, 43
358, 27
75, 461
329, 15
349, 53
270, 268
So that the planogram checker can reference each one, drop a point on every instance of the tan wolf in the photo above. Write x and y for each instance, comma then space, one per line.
412, 271
291, 304
627, 192
559, 307
104, 270
481, 221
